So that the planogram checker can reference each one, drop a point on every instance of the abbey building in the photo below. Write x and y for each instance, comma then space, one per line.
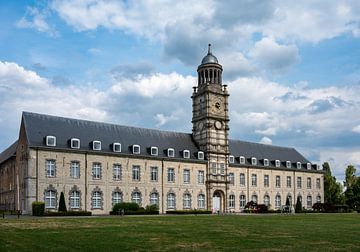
98, 164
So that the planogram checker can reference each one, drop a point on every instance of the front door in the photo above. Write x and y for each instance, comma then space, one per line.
216, 202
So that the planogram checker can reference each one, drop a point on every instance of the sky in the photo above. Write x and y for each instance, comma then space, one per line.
292, 67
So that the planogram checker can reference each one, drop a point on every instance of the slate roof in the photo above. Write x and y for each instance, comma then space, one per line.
8, 153
38, 126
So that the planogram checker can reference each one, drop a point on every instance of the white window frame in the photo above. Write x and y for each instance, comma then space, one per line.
96, 199
266, 180
231, 159
266, 162
136, 198
117, 197
117, 172
153, 173
75, 200
298, 182
136, 149
253, 179
288, 164
187, 201
308, 206
48, 138
266, 200
186, 154
242, 179
50, 168
73, 145
171, 175
201, 177
186, 175
232, 201
200, 155
154, 151
254, 198
288, 181
135, 172
154, 198
277, 163
242, 201
201, 201
318, 183
242, 160
253, 161
75, 169
50, 199
308, 183
96, 170
298, 165
308, 166
277, 201
96, 145
170, 201
231, 178
277, 181
170, 152
116, 147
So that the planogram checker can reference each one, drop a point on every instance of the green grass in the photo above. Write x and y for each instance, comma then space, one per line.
302, 232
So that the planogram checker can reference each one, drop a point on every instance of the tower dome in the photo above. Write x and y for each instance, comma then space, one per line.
209, 58
209, 71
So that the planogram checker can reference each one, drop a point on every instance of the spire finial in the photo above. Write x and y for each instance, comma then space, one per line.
209, 49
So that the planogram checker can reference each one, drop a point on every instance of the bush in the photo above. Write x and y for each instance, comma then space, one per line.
62, 205
188, 212
133, 209
38, 208
68, 213
298, 207
126, 206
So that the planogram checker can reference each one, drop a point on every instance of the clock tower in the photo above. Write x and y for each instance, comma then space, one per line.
210, 122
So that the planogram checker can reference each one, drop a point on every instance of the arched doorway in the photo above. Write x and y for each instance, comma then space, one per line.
217, 202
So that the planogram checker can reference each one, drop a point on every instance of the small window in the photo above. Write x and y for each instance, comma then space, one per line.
50, 141
201, 155
231, 159
242, 160
308, 166
186, 154
170, 152
154, 151
116, 147
288, 164
136, 149
266, 162
298, 165
96, 145
75, 143
277, 163
253, 161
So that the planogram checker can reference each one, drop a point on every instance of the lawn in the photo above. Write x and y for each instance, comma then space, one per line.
301, 232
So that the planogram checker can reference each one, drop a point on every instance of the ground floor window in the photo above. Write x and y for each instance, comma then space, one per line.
266, 200
201, 201
75, 199
277, 201
50, 199
318, 199
117, 197
154, 199
187, 201
96, 200
242, 201
171, 201
309, 201
232, 201
254, 198
136, 198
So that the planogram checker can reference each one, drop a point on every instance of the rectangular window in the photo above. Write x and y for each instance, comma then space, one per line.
96, 171
136, 149
288, 164
136, 173
116, 147
75, 143
253, 180
242, 160
154, 173
171, 175
277, 181
50, 141
213, 168
231, 178
154, 151
170, 152
277, 163
288, 181
96, 145
266, 180
242, 179
201, 177
186, 154
266, 162
298, 182
318, 183
222, 168
50, 199
253, 161
231, 159
117, 172
75, 200
308, 183
50, 167
75, 169
186, 176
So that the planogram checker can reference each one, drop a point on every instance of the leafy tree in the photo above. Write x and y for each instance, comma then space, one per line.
298, 207
332, 189
62, 205
287, 201
352, 190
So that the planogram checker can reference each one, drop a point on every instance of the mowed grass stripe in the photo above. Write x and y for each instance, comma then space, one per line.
301, 232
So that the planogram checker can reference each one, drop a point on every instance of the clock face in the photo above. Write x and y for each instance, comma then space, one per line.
218, 125
200, 125
217, 106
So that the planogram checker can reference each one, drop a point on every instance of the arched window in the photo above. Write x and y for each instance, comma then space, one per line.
171, 201
187, 201
201, 201
117, 197
75, 200
318, 199
277, 201
254, 198
242, 200
136, 197
154, 198
290, 199
309, 201
266, 200
96, 200
50, 199
232, 201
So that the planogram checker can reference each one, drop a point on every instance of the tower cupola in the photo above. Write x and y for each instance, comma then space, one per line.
210, 71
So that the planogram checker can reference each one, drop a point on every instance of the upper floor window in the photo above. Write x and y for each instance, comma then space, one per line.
242, 179
201, 177
136, 149
231, 178
317, 183
153, 173
242, 160
201, 155
75, 169
288, 164
277, 163
96, 145
171, 175
51, 141
170, 152
96, 171
213, 167
288, 181
231, 159
277, 181
116, 147
298, 182
298, 165
253, 180
117, 171
154, 151
308, 166
222, 168
75, 143
308, 183
253, 161
50, 167
186, 176
136, 173
186, 154
266, 180
266, 162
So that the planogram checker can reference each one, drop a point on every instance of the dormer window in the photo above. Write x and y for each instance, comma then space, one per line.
75, 143
136, 149
277, 163
96, 145
288, 164
308, 166
231, 159
154, 151
318, 167
50, 141
266, 162
186, 154
170, 152
298, 165
116, 147
253, 161
242, 159
201, 155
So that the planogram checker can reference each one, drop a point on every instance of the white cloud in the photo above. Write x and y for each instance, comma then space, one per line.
356, 129
266, 140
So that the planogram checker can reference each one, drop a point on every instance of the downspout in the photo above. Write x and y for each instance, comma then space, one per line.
86, 182
162, 186
37, 175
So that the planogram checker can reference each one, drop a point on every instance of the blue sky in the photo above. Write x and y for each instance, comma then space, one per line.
293, 69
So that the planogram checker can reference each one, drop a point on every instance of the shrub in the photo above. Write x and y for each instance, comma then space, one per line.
38, 208
126, 206
188, 212
133, 209
62, 205
68, 213
298, 207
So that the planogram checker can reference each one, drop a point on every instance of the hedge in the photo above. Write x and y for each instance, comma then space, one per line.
38, 208
188, 212
68, 213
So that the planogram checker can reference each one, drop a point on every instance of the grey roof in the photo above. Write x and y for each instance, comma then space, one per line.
8, 153
209, 58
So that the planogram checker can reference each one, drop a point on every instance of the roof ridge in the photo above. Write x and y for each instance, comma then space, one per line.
267, 145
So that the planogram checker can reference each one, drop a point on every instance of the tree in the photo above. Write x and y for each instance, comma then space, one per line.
62, 205
332, 189
351, 183
287, 201
298, 207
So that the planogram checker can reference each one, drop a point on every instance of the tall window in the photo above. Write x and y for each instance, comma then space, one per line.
317, 183
266, 180
154, 198
186, 176
288, 181
136, 173
309, 201
75, 169
298, 182
171, 175
50, 167
242, 179
318, 199
222, 168
232, 201
242, 201
171, 201
117, 197
266, 200
117, 172
187, 201
50, 199
96, 200
75, 199
308, 183
201, 177
96, 171
253, 180
154, 173
277, 181
231, 178
254, 198
136, 198
201, 201
213, 168
290, 198
277, 201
